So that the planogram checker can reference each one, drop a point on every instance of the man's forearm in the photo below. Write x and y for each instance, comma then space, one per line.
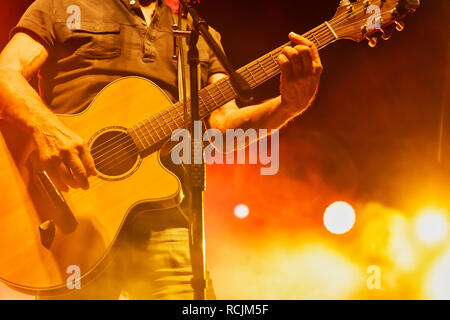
56, 144
272, 114
19, 102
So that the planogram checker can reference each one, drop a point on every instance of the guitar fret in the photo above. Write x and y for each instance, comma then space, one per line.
169, 119
273, 63
173, 120
332, 30
178, 112
148, 131
232, 89
139, 139
262, 67
142, 132
162, 128
218, 88
251, 74
222, 91
153, 128
212, 98
203, 102
312, 33
164, 119
273, 59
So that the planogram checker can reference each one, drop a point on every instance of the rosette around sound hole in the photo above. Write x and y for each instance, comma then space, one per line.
114, 153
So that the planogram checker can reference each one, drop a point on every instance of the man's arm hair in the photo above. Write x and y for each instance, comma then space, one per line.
19, 62
21, 105
261, 116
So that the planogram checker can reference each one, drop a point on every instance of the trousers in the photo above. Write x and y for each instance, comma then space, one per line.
152, 263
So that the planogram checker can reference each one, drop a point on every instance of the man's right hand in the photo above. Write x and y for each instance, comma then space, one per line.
63, 155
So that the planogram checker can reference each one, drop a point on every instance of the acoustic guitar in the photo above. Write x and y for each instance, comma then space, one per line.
45, 232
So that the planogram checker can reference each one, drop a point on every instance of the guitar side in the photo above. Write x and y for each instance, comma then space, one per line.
39, 249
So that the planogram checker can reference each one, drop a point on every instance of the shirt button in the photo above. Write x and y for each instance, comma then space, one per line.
133, 2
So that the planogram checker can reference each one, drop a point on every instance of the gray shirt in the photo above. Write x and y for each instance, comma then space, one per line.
107, 40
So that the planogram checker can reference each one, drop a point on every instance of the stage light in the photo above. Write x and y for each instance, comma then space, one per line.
339, 217
400, 245
438, 280
241, 211
309, 270
431, 226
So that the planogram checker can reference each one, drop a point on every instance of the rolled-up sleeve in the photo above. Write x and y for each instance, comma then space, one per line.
38, 23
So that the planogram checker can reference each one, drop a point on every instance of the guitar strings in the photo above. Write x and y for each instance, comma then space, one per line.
223, 92
176, 108
256, 75
129, 147
98, 181
336, 21
252, 69
219, 95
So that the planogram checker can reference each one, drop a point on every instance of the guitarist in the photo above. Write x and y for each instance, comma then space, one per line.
78, 47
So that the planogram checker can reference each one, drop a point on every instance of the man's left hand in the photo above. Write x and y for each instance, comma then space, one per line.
301, 68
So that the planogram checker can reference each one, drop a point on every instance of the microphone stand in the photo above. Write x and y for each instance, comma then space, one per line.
197, 168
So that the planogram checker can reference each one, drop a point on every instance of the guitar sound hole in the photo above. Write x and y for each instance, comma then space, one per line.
114, 153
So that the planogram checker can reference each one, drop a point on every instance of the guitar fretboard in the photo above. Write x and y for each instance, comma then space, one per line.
160, 126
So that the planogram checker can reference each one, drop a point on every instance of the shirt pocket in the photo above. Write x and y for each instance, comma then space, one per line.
92, 40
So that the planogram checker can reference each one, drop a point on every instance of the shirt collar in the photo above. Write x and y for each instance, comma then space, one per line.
134, 4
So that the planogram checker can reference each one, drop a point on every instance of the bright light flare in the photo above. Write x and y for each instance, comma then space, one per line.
431, 226
438, 282
241, 211
339, 217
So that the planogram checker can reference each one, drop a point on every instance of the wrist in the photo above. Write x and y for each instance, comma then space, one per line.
289, 108
40, 121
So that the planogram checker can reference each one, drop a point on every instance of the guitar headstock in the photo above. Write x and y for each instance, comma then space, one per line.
365, 19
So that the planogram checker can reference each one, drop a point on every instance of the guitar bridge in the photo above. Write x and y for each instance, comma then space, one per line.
63, 216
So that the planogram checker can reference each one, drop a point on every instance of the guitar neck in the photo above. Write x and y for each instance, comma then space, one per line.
161, 125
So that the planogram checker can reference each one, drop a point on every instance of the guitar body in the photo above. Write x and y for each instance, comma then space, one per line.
44, 232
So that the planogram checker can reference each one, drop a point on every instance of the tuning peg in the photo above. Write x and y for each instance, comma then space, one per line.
399, 25
345, 3
394, 13
386, 35
372, 41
